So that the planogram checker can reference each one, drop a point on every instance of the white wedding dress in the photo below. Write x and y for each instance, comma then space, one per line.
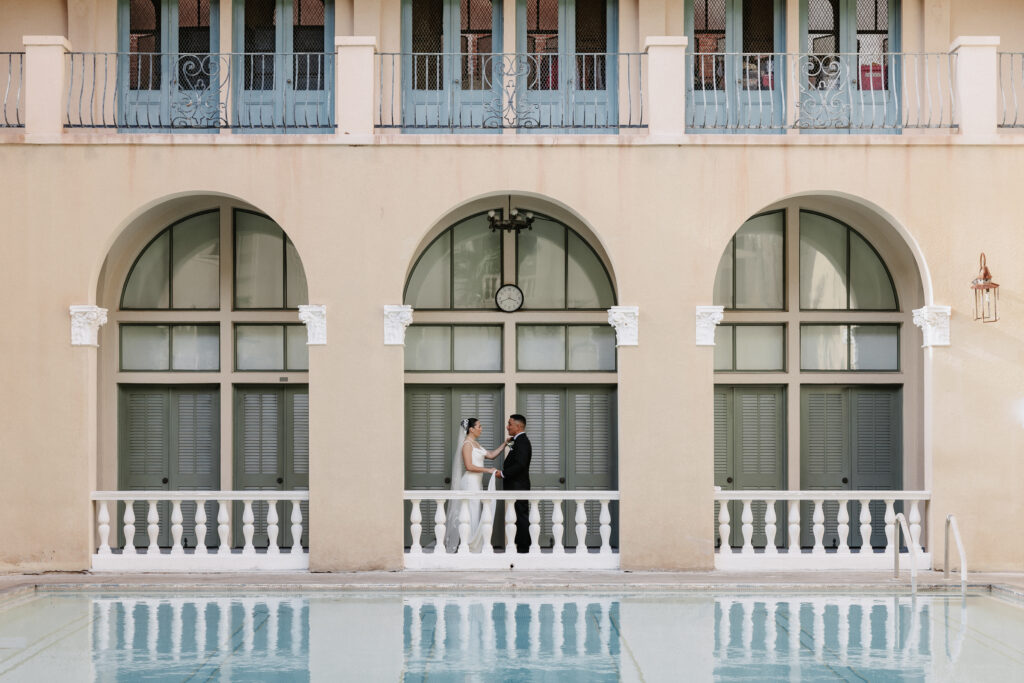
470, 481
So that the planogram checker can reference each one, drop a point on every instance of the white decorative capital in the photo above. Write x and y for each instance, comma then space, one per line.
396, 319
626, 321
934, 324
708, 318
315, 318
85, 325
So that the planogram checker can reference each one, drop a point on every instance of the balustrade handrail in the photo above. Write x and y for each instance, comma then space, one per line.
952, 524
831, 495
435, 494
143, 496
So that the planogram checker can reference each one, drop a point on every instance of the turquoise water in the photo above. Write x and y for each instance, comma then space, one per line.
334, 635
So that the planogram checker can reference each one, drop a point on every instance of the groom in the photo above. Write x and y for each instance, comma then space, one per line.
516, 476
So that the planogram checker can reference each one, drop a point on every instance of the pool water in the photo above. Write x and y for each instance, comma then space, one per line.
344, 635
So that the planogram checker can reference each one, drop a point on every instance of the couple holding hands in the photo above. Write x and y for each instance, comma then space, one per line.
468, 474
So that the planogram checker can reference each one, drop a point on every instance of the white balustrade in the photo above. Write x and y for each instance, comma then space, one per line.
123, 556
828, 541
561, 554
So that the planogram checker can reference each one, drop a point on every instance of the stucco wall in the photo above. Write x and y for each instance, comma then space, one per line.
30, 17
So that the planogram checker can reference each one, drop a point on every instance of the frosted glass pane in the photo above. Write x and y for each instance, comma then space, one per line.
295, 276
259, 262
589, 286
195, 347
823, 347
477, 261
298, 351
591, 347
428, 347
760, 347
723, 347
874, 347
145, 347
477, 348
723, 280
147, 286
759, 262
869, 282
541, 347
430, 282
196, 262
259, 347
542, 265
822, 262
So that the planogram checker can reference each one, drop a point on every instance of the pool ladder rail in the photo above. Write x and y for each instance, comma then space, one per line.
951, 523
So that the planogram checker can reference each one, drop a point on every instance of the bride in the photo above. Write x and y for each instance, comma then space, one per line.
467, 475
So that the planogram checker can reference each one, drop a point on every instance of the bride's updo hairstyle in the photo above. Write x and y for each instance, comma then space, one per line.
468, 423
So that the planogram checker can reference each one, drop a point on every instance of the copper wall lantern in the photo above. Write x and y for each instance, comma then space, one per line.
986, 294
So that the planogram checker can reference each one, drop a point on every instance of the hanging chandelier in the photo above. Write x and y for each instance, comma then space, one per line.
514, 219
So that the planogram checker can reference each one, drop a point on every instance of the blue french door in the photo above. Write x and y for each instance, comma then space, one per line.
736, 65
566, 67
167, 69
284, 72
451, 64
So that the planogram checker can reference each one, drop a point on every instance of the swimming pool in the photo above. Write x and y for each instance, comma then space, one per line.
391, 636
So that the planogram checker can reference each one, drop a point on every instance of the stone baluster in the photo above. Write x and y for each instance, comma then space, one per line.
557, 527
247, 528
724, 531
272, 520
606, 528
795, 630
463, 611
415, 528
223, 528
441, 627
486, 528
747, 528
273, 620
915, 526
724, 625
440, 522
770, 528
464, 519
129, 624
772, 640
534, 534
747, 628
819, 630
865, 630
248, 629
103, 517
415, 627
200, 527
891, 543
534, 629
153, 529
297, 626
844, 632
223, 626
129, 528
581, 628
581, 526
510, 626
176, 529
103, 622
510, 527
296, 527
566, 626
794, 527
200, 631
176, 630
843, 527
865, 526
818, 519
152, 627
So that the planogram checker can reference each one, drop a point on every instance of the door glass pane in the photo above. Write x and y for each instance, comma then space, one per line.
308, 44
298, 351
145, 347
758, 26
872, 44
823, 347
591, 347
260, 44
540, 347
708, 38
477, 260
476, 43
477, 348
759, 262
196, 262
428, 347
259, 262
822, 26
430, 282
193, 41
874, 347
259, 347
542, 265
870, 287
148, 284
591, 44
195, 347
427, 44
589, 285
723, 280
144, 33
542, 44
760, 347
822, 262
295, 276
723, 347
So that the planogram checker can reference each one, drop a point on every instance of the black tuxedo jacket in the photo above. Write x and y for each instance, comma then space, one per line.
516, 472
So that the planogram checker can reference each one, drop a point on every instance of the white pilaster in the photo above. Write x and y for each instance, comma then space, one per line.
708, 318
315, 318
626, 321
396, 319
85, 325
666, 74
977, 83
934, 324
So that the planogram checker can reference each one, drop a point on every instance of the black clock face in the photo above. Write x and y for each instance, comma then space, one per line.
509, 298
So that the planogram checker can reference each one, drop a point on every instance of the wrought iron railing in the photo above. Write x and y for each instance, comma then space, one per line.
444, 92
12, 68
838, 91
1011, 89
262, 92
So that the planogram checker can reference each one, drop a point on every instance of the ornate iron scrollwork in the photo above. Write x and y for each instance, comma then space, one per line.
196, 100
509, 108
824, 92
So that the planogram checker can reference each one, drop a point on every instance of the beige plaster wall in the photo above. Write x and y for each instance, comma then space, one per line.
358, 215
19, 18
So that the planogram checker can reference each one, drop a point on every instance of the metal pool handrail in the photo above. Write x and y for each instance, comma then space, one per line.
911, 545
951, 522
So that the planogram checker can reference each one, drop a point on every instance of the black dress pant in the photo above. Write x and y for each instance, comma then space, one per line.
523, 526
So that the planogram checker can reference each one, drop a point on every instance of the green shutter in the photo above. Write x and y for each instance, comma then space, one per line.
198, 457
877, 447
428, 447
591, 456
544, 410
